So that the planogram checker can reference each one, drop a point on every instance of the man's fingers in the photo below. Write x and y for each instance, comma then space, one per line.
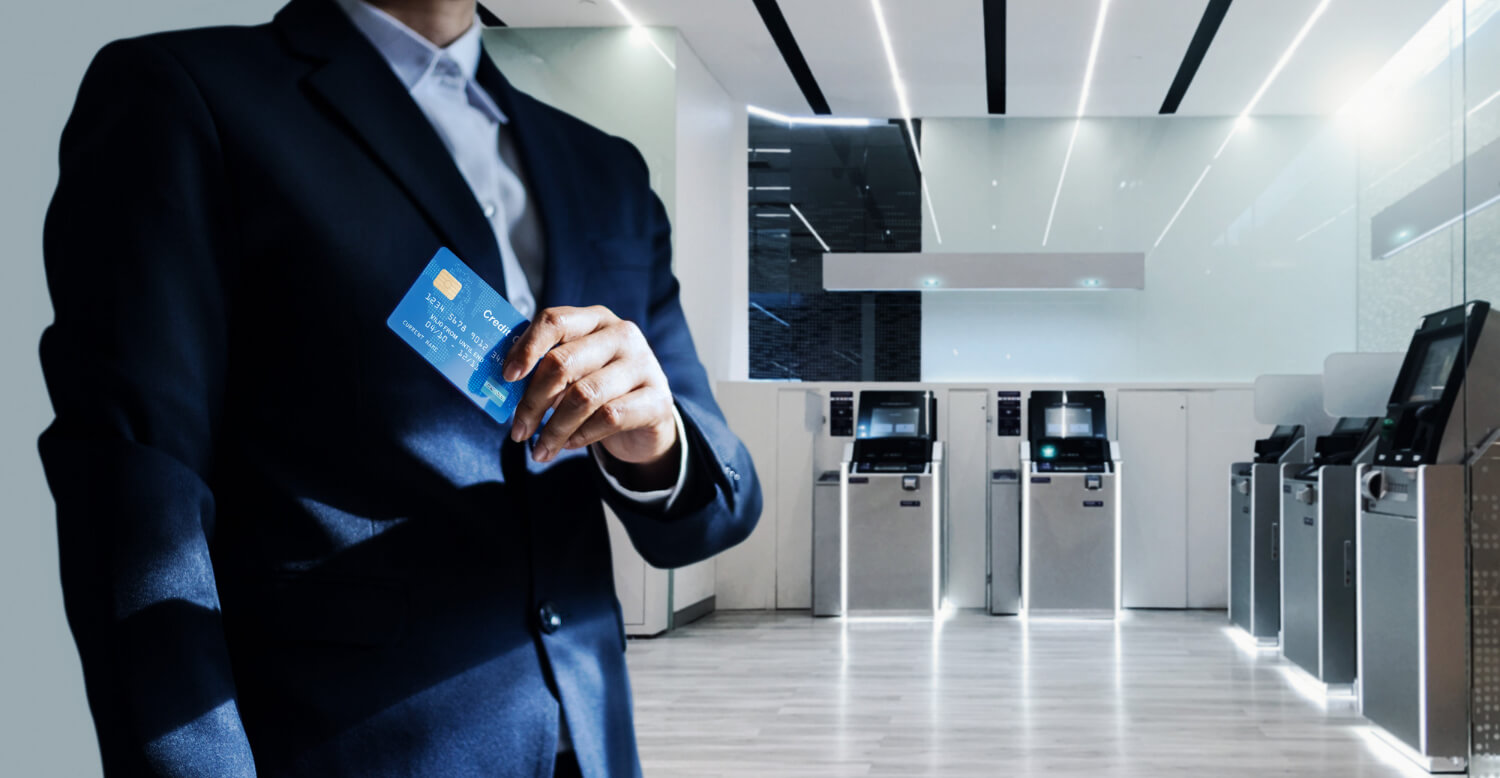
582, 400
557, 370
638, 409
551, 327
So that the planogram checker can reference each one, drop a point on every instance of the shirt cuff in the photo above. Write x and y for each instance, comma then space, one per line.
656, 498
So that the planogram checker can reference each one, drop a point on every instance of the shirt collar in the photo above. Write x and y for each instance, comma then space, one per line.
410, 55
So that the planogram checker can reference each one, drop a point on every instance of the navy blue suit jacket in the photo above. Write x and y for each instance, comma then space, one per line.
288, 545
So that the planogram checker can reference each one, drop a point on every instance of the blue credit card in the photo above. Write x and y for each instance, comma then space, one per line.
464, 328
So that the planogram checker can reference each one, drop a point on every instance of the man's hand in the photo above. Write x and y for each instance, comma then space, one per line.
601, 376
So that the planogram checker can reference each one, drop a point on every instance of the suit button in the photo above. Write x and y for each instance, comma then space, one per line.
548, 618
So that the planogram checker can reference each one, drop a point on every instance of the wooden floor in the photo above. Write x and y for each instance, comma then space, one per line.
1162, 694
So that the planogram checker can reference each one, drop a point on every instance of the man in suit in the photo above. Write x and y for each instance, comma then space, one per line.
288, 546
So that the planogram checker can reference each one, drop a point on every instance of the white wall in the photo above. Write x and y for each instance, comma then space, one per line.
711, 168
692, 135
1245, 283
45, 728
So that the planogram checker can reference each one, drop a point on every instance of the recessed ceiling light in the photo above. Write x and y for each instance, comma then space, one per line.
640, 31
1243, 120
911, 132
1083, 100
811, 121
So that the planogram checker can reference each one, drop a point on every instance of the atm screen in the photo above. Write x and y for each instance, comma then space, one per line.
1070, 421
1437, 366
895, 422
1351, 425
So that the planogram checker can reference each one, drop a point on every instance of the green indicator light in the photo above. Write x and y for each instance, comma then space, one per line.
1049, 452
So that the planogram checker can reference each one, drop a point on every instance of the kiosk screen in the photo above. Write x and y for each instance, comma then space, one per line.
895, 422
1070, 421
1437, 366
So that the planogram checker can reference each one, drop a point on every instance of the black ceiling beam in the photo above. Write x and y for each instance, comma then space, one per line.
994, 54
1208, 27
488, 17
781, 33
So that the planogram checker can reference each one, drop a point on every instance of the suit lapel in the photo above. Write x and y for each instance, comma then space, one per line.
551, 179
355, 82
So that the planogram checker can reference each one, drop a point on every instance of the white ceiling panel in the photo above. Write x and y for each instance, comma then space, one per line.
728, 35
1141, 48
939, 46
1345, 48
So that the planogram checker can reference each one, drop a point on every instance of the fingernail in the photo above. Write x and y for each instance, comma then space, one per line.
518, 431
542, 454
512, 373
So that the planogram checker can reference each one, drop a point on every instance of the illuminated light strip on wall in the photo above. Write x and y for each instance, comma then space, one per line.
1243, 119
911, 132
1324, 223
809, 227
1180, 208
1083, 100
810, 121
1482, 104
640, 29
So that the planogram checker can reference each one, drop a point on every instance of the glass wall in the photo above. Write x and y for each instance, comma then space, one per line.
815, 189
1246, 232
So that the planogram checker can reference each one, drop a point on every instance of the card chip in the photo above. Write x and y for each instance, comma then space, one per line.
447, 284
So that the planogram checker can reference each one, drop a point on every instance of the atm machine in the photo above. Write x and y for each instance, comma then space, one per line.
885, 553
1254, 518
1412, 572
1318, 513
1070, 508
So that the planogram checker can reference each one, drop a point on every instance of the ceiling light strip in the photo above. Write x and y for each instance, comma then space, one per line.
808, 225
641, 30
1083, 101
1244, 117
1286, 57
911, 132
810, 121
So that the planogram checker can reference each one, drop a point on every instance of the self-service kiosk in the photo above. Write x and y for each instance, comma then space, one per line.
1254, 537
1070, 507
1318, 513
885, 553
1411, 570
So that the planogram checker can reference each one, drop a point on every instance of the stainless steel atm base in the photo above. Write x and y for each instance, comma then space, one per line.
1254, 556
1071, 536
1317, 573
877, 542
1413, 618
1005, 543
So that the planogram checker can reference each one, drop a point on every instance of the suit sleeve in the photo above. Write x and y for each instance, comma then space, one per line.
137, 264
720, 501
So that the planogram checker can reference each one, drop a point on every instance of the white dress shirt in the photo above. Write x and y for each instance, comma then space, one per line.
473, 128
